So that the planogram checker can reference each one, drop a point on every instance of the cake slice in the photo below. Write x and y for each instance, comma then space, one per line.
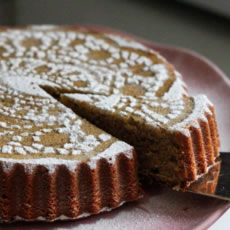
56, 165
176, 140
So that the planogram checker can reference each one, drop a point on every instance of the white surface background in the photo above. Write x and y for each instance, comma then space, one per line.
223, 223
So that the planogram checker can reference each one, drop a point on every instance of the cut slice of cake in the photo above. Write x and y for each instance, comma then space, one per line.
176, 140
56, 165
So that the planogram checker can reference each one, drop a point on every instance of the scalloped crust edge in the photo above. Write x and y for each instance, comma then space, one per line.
201, 146
31, 192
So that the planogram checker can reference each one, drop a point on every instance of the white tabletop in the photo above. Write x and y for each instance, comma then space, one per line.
222, 223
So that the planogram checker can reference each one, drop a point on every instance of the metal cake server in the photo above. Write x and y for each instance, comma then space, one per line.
216, 182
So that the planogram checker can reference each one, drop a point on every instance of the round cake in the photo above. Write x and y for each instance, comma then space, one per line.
75, 107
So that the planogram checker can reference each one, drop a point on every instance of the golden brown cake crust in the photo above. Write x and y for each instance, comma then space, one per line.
201, 147
37, 193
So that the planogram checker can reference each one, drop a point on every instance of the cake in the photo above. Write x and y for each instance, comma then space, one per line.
54, 164
176, 140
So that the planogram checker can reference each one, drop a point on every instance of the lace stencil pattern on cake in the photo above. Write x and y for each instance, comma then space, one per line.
75, 61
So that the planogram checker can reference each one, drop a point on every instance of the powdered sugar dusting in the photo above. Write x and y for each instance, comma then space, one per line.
110, 153
156, 113
65, 60
81, 61
201, 106
51, 163
44, 119
24, 84
125, 42
175, 91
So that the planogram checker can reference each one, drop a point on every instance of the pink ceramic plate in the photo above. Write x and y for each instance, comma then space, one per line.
163, 208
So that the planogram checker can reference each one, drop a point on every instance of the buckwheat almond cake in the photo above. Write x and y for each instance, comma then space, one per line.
175, 140
55, 164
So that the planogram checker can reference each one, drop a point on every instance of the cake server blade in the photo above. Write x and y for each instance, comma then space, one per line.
216, 182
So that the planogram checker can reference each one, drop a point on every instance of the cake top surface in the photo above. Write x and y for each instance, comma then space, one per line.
85, 61
41, 127
167, 114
